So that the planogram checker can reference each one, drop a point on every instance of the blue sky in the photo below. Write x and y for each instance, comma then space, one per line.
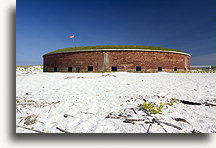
45, 25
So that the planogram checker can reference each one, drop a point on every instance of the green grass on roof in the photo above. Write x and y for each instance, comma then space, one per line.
114, 47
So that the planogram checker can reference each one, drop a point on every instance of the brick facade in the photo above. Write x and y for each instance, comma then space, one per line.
82, 61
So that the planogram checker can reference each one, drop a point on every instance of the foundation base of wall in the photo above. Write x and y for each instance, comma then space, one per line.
119, 70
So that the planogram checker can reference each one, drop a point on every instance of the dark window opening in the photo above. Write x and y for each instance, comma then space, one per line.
175, 68
114, 68
159, 68
78, 69
69, 69
185, 68
138, 68
90, 68
55, 69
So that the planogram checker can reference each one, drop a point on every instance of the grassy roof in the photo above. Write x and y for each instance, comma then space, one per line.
114, 47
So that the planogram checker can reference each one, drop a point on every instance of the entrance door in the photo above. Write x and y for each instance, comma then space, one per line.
69, 69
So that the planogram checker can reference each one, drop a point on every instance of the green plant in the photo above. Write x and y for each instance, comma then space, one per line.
157, 109
152, 108
171, 103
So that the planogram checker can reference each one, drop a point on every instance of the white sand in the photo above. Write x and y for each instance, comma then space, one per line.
88, 98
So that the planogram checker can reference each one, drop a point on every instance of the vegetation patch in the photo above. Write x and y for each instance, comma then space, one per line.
26, 66
171, 103
157, 109
152, 108
115, 47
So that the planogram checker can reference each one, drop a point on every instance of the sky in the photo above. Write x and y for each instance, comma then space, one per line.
43, 26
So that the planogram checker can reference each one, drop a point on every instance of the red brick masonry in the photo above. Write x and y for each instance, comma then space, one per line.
123, 60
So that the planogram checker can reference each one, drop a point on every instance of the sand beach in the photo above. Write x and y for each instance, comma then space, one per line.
117, 102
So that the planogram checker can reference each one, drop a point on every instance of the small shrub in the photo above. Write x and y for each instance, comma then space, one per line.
152, 108
171, 103
155, 109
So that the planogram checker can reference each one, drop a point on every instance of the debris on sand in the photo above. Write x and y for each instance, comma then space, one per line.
31, 119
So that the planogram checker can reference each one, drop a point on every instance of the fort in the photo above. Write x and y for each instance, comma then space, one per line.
130, 58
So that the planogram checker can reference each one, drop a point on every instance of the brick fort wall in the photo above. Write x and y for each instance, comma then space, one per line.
100, 61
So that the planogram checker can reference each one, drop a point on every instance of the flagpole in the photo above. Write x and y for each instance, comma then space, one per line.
72, 37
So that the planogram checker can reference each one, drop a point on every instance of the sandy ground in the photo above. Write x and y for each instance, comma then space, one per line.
110, 102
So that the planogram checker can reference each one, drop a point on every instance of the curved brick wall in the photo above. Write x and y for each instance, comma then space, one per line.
123, 60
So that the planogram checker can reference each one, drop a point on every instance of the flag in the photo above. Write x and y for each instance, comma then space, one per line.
72, 36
